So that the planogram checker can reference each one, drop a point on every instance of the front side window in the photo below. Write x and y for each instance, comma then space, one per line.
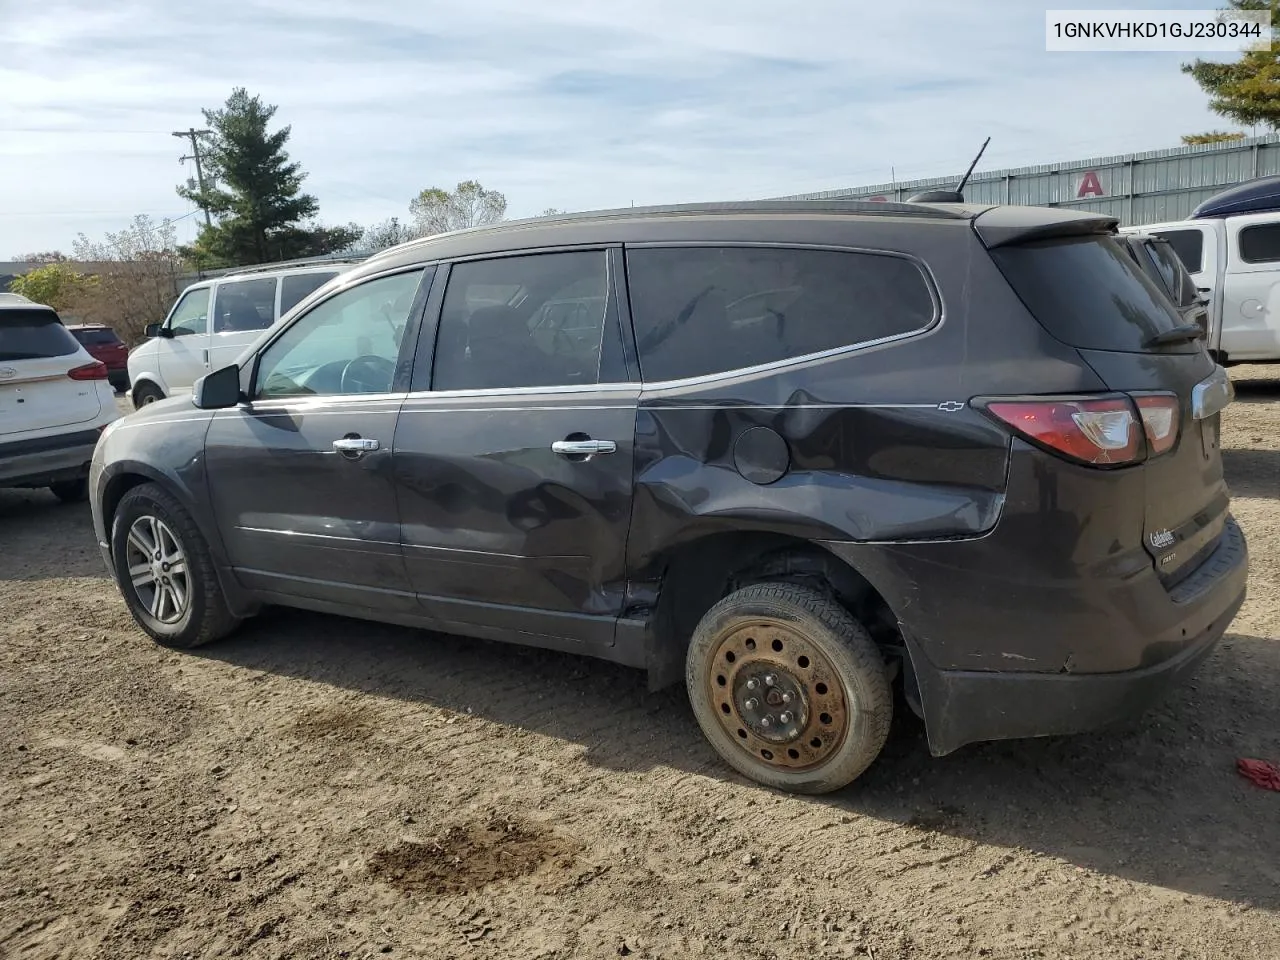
706, 310
527, 321
347, 344
191, 315
242, 305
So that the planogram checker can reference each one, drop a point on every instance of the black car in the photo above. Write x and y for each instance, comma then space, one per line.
795, 452
1156, 258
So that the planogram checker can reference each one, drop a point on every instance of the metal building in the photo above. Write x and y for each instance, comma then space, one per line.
1137, 188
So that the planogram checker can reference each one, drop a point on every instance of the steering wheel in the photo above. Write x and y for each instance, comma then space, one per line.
367, 374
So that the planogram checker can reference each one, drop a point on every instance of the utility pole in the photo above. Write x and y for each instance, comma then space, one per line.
193, 135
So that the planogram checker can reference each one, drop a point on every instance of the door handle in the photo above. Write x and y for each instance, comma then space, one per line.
583, 448
355, 447
204, 354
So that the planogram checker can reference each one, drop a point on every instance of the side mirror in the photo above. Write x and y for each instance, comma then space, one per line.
217, 390
153, 330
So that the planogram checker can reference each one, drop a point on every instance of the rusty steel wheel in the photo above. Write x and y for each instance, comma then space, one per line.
789, 687
778, 694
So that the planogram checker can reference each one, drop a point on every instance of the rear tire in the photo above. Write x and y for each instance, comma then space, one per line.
71, 491
165, 571
146, 393
789, 688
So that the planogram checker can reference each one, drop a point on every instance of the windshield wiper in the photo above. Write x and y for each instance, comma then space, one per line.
1179, 334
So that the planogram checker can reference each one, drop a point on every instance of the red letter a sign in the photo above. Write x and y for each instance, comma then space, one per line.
1090, 187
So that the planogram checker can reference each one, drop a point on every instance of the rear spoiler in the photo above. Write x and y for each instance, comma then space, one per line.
1002, 226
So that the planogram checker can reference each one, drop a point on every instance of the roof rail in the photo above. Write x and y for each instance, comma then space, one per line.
286, 264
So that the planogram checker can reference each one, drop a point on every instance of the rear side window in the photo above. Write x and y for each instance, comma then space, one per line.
1260, 243
34, 335
295, 288
1188, 245
244, 305
1088, 293
98, 337
1171, 268
707, 310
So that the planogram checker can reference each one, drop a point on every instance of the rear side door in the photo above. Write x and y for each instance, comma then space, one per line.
183, 355
514, 451
1251, 302
44, 374
300, 476
242, 309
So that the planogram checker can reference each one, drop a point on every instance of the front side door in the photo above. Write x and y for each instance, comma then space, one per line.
183, 355
301, 476
513, 458
242, 309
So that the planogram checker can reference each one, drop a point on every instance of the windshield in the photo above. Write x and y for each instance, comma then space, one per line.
33, 335
1089, 293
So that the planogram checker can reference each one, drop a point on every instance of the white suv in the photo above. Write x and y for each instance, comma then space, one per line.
214, 321
55, 401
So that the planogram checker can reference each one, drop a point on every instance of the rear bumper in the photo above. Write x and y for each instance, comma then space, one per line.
46, 460
1043, 690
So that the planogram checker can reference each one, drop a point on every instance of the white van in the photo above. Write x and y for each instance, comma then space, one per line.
213, 321
1231, 248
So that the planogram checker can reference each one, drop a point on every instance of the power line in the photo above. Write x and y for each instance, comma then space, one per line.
194, 136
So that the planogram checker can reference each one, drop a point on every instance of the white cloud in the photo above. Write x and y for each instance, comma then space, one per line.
566, 103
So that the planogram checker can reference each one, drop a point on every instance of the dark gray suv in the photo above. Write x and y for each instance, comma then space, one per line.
795, 452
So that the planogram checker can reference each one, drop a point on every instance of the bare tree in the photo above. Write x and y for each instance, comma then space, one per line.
136, 271
45, 256
386, 234
469, 205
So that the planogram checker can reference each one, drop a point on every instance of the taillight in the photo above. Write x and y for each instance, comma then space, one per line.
90, 371
1102, 431
1160, 415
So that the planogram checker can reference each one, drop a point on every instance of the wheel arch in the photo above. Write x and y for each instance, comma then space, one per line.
696, 574
128, 475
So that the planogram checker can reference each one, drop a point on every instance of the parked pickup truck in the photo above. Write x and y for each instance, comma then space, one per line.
1231, 248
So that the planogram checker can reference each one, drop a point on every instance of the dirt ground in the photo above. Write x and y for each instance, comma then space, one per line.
322, 788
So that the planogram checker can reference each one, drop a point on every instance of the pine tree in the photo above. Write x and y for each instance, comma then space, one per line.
256, 196
1248, 90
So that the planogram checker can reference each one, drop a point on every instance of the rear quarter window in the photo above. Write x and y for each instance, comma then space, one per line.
699, 311
1087, 292
1260, 243
33, 335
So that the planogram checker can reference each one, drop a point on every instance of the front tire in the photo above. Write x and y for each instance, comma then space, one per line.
145, 394
165, 571
789, 688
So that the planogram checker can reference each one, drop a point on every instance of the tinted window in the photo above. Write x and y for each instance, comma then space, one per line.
34, 334
349, 343
1162, 269
294, 289
532, 321
704, 310
98, 336
1174, 273
191, 315
1188, 245
1088, 293
244, 305
1260, 243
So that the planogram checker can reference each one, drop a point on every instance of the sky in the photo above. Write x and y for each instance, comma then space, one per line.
573, 104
